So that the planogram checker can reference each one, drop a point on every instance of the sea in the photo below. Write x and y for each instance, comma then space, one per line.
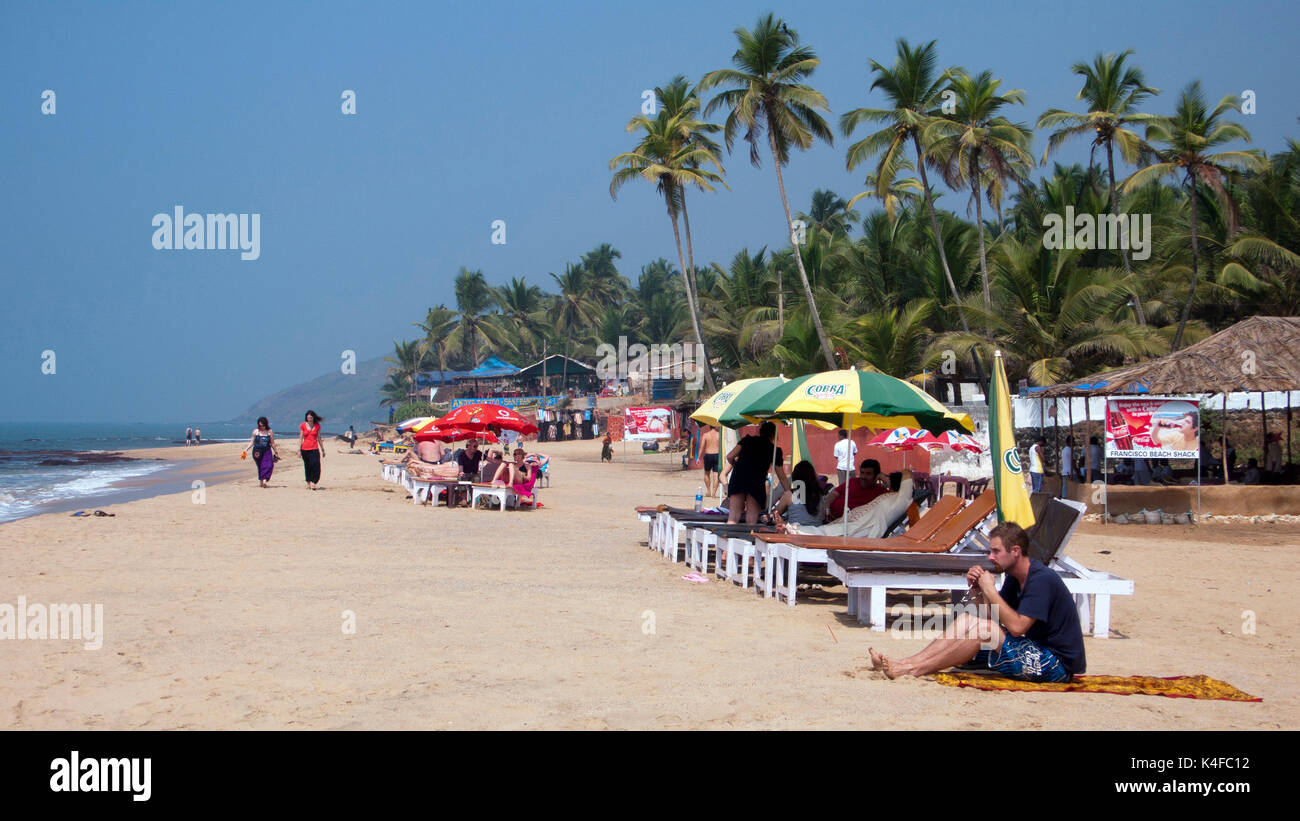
47, 467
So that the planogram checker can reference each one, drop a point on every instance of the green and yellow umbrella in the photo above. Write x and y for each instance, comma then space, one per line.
719, 410
855, 399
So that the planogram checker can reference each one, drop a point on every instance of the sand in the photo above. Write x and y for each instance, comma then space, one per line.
231, 614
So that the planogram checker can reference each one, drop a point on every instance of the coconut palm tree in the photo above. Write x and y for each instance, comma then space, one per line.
913, 86
670, 161
1184, 145
408, 361
765, 92
894, 340
831, 213
521, 308
575, 311
1052, 317
974, 139
474, 326
607, 285
438, 325
1113, 92
900, 192
680, 100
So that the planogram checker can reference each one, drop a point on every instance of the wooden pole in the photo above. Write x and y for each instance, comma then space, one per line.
1263, 418
1223, 420
1087, 425
1056, 437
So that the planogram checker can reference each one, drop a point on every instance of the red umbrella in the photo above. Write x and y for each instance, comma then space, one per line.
952, 440
478, 417
453, 434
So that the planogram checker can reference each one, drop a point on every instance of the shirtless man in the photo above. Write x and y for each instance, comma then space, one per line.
709, 449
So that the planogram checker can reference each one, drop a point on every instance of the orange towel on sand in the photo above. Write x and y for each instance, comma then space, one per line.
1202, 687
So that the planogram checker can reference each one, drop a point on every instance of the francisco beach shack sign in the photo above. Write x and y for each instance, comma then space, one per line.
1152, 428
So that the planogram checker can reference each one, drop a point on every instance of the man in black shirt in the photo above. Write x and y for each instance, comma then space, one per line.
1030, 629
468, 460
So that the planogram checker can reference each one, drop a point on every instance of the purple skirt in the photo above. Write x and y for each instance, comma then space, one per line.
265, 462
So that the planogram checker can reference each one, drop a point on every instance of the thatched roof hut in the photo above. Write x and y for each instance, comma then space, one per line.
1261, 353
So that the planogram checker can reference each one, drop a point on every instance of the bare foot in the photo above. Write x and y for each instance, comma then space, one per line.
878, 661
895, 669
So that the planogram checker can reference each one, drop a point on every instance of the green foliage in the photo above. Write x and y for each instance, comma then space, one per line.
411, 410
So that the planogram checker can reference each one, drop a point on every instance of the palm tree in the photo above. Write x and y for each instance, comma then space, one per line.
680, 99
893, 341
975, 139
766, 93
574, 311
473, 301
1112, 92
408, 361
913, 88
521, 306
396, 391
1187, 139
831, 213
438, 326
1053, 318
606, 283
672, 162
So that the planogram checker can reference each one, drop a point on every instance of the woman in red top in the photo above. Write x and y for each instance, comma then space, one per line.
309, 444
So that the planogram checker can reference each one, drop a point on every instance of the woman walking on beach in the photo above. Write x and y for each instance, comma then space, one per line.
265, 453
309, 444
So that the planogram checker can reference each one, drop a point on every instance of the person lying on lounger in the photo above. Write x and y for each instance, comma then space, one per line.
867, 521
1027, 630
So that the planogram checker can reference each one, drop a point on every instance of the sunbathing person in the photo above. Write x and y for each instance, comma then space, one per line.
1029, 631
807, 510
859, 489
869, 521
490, 467
518, 475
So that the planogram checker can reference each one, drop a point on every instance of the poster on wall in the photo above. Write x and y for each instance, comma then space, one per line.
1153, 429
644, 424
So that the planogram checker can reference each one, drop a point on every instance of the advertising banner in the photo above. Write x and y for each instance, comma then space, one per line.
1152, 429
505, 401
644, 424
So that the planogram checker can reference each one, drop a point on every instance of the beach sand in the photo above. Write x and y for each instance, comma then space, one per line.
231, 614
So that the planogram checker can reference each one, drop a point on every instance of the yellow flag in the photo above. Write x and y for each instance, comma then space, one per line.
1008, 477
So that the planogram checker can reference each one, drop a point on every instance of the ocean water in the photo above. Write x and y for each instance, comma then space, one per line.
46, 466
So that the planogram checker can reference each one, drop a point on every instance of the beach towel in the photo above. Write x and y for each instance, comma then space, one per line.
1199, 687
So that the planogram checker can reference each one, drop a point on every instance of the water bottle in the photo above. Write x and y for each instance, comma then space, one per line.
699, 498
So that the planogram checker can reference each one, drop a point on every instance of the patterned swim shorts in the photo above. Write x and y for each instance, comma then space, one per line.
1023, 659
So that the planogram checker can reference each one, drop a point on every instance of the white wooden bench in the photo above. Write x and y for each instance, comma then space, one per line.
505, 496
868, 589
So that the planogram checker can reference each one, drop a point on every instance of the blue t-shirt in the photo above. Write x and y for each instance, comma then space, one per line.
1048, 602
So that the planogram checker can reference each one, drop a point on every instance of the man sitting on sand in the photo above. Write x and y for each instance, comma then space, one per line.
1031, 624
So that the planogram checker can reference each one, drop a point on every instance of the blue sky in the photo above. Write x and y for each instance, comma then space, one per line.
465, 115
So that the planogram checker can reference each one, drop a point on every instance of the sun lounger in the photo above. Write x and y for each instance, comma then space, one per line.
869, 575
946, 526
